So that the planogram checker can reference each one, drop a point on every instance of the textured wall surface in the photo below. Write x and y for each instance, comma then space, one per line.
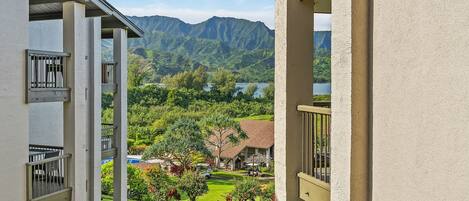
13, 110
421, 100
341, 73
46, 119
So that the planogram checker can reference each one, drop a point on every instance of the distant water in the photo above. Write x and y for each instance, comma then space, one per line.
318, 88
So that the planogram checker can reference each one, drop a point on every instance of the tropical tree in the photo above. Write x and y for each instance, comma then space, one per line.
220, 130
193, 184
187, 80
247, 190
224, 83
181, 141
139, 70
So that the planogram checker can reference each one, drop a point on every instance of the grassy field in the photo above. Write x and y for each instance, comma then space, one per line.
219, 186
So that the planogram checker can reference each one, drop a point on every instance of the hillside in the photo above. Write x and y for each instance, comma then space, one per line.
239, 45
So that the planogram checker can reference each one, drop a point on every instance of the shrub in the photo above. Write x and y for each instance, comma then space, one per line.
268, 193
138, 189
137, 149
193, 184
161, 187
247, 189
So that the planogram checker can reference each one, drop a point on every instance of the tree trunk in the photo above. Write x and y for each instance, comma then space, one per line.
217, 160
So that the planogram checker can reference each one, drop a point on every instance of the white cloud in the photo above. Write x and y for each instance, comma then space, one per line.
193, 16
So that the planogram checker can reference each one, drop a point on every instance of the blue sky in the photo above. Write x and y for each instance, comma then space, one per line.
195, 11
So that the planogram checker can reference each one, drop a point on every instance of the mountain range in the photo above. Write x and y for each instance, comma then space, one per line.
242, 46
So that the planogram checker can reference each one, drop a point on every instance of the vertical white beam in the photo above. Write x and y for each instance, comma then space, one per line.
95, 109
120, 115
293, 86
14, 121
75, 111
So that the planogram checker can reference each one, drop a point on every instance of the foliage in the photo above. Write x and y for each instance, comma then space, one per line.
196, 80
161, 187
138, 189
223, 83
220, 130
193, 184
251, 90
269, 92
137, 149
181, 141
268, 192
139, 70
247, 190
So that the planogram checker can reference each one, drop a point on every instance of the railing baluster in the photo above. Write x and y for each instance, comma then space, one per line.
315, 145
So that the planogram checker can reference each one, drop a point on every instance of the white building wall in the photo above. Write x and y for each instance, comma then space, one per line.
46, 119
13, 110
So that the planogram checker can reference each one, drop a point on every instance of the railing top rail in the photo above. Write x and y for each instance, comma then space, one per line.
313, 109
45, 146
108, 63
46, 53
106, 124
49, 160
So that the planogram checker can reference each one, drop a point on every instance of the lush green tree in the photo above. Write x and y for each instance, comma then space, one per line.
196, 80
193, 184
221, 130
251, 90
139, 70
180, 142
247, 190
138, 188
224, 83
269, 92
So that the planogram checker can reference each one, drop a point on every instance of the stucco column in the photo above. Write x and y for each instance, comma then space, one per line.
293, 86
14, 120
75, 111
120, 115
95, 109
350, 105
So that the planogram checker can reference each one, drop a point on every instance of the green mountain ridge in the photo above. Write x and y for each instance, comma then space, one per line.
242, 46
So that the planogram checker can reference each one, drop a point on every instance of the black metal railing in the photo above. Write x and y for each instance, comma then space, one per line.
46, 79
316, 146
41, 152
47, 171
47, 69
107, 137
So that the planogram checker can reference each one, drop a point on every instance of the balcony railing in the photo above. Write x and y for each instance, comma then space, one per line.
315, 173
46, 79
107, 77
47, 173
107, 140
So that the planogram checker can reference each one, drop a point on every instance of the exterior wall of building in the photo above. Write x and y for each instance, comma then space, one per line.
13, 110
46, 119
420, 100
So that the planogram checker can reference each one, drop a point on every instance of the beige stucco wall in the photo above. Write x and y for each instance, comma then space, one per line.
421, 100
46, 125
13, 110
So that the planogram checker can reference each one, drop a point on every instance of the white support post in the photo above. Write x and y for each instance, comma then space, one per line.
293, 86
95, 109
120, 115
75, 111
